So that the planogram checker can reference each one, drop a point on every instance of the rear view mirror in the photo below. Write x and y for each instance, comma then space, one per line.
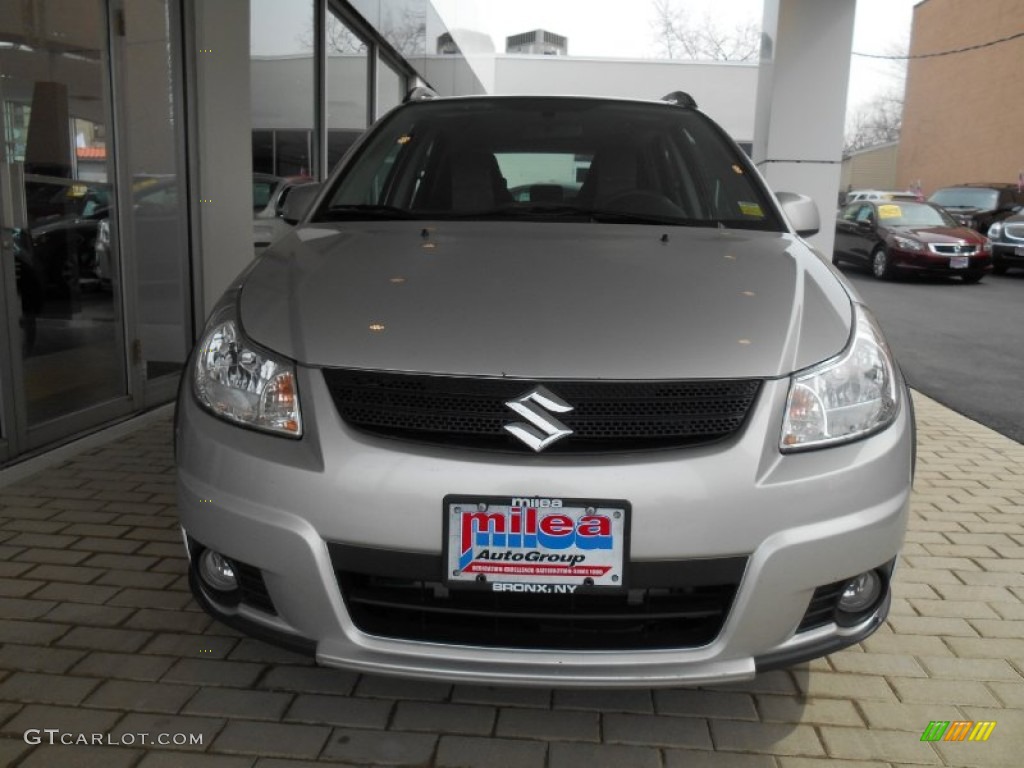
801, 211
299, 201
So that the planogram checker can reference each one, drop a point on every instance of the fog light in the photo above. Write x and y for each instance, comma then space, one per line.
217, 572
860, 592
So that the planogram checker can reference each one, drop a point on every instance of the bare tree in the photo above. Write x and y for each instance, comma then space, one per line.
340, 39
880, 120
876, 122
407, 35
680, 36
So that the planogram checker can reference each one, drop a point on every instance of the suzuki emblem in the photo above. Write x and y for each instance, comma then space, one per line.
537, 407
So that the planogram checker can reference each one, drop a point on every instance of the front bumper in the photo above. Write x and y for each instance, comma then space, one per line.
926, 262
801, 520
1008, 253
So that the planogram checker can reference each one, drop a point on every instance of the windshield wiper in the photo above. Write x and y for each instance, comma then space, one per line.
518, 210
573, 212
356, 212
628, 217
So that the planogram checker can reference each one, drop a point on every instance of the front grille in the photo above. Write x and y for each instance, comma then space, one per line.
822, 608
1014, 231
668, 605
606, 415
252, 587
953, 249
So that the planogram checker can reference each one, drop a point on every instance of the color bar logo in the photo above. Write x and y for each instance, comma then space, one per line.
958, 730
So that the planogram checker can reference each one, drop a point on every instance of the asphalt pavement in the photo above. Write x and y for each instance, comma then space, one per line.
959, 344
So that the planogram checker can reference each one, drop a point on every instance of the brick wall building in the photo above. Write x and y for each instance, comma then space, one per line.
963, 118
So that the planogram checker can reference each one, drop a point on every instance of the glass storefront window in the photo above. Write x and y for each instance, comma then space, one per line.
403, 25
390, 87
348, 67
56, 111
156, 240
282, 84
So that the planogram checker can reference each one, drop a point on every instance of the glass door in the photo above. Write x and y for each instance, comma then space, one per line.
66, 366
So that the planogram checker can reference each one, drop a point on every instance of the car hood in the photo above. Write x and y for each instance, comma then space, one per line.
546, 300
939, 234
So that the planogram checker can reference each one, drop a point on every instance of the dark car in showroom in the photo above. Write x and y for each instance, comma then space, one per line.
978, 205
905, 237
1007, 238
634, 433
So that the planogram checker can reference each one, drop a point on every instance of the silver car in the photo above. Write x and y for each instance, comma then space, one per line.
628, 429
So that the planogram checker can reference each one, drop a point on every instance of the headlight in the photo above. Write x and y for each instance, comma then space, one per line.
995, 231
240, 382
907, 243
846, 398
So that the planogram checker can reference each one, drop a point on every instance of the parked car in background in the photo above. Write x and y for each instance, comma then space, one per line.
878, 195
909, 237
63, 218
643, 436
978, 206
1007, 238
155, 206
269, 194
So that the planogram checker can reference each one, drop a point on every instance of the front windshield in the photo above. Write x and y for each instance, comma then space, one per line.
547, 159
913, 215
966, 197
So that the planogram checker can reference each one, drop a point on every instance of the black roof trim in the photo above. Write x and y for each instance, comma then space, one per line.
680, 99
420, 93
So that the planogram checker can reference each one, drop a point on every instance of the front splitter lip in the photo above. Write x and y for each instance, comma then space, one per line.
571, 675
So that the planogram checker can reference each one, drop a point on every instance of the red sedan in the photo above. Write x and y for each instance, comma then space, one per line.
891, 237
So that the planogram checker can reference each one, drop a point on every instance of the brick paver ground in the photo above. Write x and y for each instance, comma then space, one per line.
100, 636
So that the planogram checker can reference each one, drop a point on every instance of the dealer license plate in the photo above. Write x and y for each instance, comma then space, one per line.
1019, 250
959, 262
535, 544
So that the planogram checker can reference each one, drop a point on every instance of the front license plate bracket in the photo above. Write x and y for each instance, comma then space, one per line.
535, 544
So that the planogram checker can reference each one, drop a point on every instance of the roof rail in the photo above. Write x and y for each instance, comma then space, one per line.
420, 93
680, 99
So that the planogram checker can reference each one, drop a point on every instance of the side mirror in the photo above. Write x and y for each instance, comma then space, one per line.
801, 211
299, 201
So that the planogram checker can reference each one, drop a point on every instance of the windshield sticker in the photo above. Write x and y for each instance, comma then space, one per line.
889, 212
751, 209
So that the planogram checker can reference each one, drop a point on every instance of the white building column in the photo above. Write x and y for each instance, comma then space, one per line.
222, 137
801, 101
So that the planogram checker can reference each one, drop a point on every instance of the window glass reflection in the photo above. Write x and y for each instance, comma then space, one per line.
347, 80
56, 112
390, 87
282, 80
403, 25
157, 245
